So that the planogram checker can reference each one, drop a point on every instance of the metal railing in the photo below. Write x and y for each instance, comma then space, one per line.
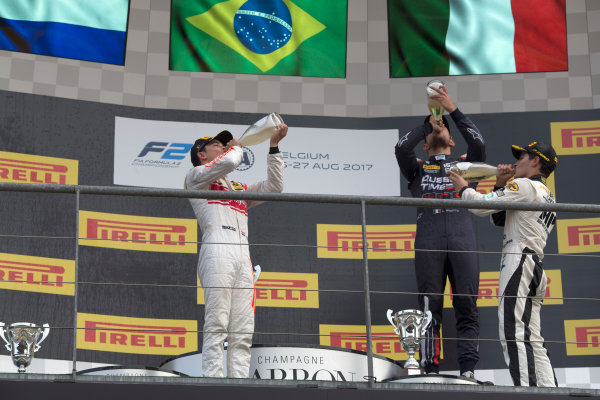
363, 201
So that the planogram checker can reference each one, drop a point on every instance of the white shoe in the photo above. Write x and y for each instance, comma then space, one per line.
468, 374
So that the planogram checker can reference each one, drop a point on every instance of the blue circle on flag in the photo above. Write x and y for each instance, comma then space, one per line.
263, 26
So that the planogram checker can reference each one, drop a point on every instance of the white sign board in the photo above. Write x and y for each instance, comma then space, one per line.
318, 161
298, 363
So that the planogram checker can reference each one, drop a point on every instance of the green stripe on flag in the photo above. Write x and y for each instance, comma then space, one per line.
310, 37
417, 36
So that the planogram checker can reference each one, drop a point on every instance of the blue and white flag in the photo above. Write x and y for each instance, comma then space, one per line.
91, 30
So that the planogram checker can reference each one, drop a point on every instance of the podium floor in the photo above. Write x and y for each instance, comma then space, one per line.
149, 388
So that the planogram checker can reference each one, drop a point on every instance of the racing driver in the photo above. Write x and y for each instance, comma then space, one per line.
522, 285
224, 265
445, 236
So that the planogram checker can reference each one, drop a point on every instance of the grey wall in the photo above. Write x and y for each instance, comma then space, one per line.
367, 90
84, 131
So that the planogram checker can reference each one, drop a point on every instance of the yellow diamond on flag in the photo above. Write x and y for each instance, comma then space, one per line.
218, 23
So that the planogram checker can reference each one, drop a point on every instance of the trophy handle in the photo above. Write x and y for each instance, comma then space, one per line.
2, 334
257, 271
45, 334
389, 317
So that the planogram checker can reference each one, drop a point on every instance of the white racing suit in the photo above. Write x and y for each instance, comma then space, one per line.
224, 261
522, 278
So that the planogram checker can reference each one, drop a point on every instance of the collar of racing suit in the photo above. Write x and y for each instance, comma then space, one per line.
439, 157
538, 178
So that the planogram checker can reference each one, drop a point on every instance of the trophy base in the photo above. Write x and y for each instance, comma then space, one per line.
439, 379
412, 371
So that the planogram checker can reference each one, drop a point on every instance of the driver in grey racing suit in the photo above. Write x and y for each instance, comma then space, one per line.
523, 281
224, 265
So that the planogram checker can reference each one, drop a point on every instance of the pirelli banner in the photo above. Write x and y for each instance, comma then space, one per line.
139, 233
37, 274
29, 168
136, 335
489, 293
384, 341
383, 241
287, 290
139, 301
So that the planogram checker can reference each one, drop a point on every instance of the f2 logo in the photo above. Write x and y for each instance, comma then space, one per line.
172, 151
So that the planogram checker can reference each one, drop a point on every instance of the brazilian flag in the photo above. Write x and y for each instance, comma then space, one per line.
274, 37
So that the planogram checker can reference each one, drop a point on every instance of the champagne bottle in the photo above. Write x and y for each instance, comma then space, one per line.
435, 108
473, 171
261, 130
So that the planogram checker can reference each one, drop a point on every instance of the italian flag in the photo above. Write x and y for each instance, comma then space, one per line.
460, 37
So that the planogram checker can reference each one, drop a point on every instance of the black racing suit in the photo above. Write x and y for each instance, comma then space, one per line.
444, 229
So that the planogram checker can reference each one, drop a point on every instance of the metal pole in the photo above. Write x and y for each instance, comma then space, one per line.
299, 197
76, 285
367, 296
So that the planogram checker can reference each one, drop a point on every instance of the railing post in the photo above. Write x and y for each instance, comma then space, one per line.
76, 284
367, 295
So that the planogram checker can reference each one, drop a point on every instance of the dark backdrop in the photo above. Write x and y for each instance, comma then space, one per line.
72, 129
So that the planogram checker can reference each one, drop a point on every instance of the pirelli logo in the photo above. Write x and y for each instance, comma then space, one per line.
384, 341
37, 274
27, 168
487, 185
582, 337
131, 232
578, 235
383, 241
282, 289
582, 137
136, 335
489, 289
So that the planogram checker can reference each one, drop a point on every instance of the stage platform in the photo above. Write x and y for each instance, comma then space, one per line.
49, 387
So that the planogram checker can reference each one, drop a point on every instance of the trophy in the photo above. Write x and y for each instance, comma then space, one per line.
23, 340
261, 130
410, 325
435, 108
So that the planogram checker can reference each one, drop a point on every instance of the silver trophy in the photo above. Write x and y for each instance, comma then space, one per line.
23, 339
410, 325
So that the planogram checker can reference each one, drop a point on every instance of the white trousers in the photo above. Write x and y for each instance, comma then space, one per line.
522, 276
228, 315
